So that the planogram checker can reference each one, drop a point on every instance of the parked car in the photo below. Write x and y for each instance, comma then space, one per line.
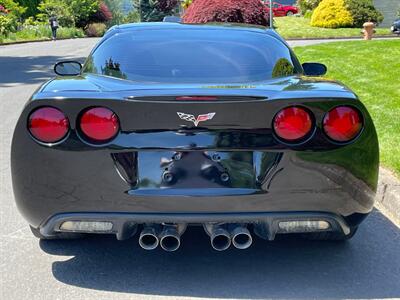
396, 27
280, 10
171, 125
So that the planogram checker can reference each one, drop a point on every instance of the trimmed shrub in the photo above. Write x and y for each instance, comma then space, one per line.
96, 29
363, 11
233, 11
331, 14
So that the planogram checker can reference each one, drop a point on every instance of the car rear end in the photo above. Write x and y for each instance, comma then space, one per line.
283, 155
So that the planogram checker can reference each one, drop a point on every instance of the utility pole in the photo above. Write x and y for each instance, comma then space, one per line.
271, 16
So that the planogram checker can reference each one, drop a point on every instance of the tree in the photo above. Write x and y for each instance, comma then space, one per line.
307, 5
102, 15
235, 11
363, 11
156, 10
82, 10
132, 17
115, 7
69, 12
58, 8
10, 15
31, 7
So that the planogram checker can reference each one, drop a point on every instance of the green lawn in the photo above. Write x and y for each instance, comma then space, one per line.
372, 70
299, 27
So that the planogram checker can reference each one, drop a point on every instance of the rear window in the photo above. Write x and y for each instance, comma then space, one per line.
191, 56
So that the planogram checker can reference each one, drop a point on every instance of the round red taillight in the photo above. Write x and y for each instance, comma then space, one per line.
343, 123
48, 124
99, 124
292, 123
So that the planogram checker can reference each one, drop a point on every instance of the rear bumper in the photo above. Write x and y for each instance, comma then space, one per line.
92, 184
124, 225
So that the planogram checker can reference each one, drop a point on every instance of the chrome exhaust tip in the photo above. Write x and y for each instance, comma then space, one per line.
241, 238
148, 238
170, 239
220, 239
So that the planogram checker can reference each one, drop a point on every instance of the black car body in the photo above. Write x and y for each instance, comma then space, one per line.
396, 27
169, 125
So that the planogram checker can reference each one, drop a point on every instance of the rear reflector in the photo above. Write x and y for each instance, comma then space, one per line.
292, 123
87, 226
303, 226
343, 123
99, 124
48, 124
196, 98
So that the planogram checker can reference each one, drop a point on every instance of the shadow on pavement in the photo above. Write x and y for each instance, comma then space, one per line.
366, 267
28, 69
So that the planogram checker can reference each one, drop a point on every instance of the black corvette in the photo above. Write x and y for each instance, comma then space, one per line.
170, 125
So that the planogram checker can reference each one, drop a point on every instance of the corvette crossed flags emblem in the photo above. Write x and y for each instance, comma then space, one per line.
196, 121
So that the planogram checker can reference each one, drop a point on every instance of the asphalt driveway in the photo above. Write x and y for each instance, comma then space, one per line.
367, 267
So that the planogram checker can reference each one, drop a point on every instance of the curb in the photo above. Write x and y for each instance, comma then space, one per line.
44, 40
388, 195
389, 36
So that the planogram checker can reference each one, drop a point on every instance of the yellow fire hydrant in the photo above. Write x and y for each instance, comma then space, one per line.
368, 30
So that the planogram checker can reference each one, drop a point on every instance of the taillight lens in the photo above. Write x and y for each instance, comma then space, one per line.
292, 123
48, 124
342, 123
99, 124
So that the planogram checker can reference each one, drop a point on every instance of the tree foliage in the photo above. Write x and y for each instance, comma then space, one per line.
58, 8
186, 3
131, 17
234, 11
363, 11
10, 14
69, 12
156, 10
307, 5
31, 7
115, 7
102, 15
82, 10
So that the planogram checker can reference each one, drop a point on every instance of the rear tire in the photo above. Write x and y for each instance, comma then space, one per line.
331, 235
58, 236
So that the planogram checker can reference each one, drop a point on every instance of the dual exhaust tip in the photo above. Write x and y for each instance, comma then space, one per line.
221, 239
169, 238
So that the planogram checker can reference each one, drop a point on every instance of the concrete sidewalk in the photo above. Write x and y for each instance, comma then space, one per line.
388, 197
